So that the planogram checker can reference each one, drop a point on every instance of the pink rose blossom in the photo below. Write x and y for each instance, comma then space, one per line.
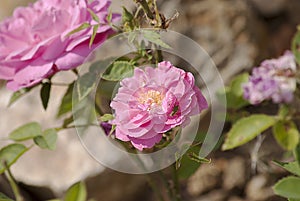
34, 42
154, 101
273, 80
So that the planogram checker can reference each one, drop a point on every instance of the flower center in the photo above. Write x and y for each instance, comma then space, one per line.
151, 98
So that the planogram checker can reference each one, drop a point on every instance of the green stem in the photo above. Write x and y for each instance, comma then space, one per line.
166, 184
159, 56
154, 187
75, 126
146, 8
13, 184
176, 187
60, 84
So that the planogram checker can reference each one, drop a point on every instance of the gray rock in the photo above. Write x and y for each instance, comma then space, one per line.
206, 178
235, 198
216, 195
270, 7
234, 174
113, 186
258, 189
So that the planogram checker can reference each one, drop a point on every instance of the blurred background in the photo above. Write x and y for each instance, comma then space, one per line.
237, 34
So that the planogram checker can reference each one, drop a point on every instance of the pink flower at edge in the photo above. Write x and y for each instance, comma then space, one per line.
34, 43
272, 80
153, 101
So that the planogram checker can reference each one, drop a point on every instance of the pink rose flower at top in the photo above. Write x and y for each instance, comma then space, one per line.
34, 42
273, 80
154, 101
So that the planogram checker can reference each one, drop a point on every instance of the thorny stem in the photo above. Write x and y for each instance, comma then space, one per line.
13, 184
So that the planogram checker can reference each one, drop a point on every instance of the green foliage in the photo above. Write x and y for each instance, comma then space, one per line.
296, 46
95, 29
45, 94
292, 167
247, 129
193, 156
85, 84
128, 20
188, 164
26, 132
66, 103
80, 28
283, 112
185, 166
234, 92
119, 70
286, 134
67, 121
17, 95
288, 187
154, 38
10, 154
106, 117
47, 140
297, 153
76, 192
94, 15
4, 197
126, 15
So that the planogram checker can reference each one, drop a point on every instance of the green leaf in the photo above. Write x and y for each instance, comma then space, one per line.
236, 84
76, 192
292, 167
297, 153
85, 84
68, 121
106, 117
17, 95
296, 47
154, 37
45, 94
288, 187
291, 199
94, 16
286, 134
66, 103
193, 156
126, 16
95, 29
98, 66
247, 129
118, 71
10, 155
109, 16
4, 197
234, 92
185, 166
47, 140
283, 111
80, 28
26, 132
